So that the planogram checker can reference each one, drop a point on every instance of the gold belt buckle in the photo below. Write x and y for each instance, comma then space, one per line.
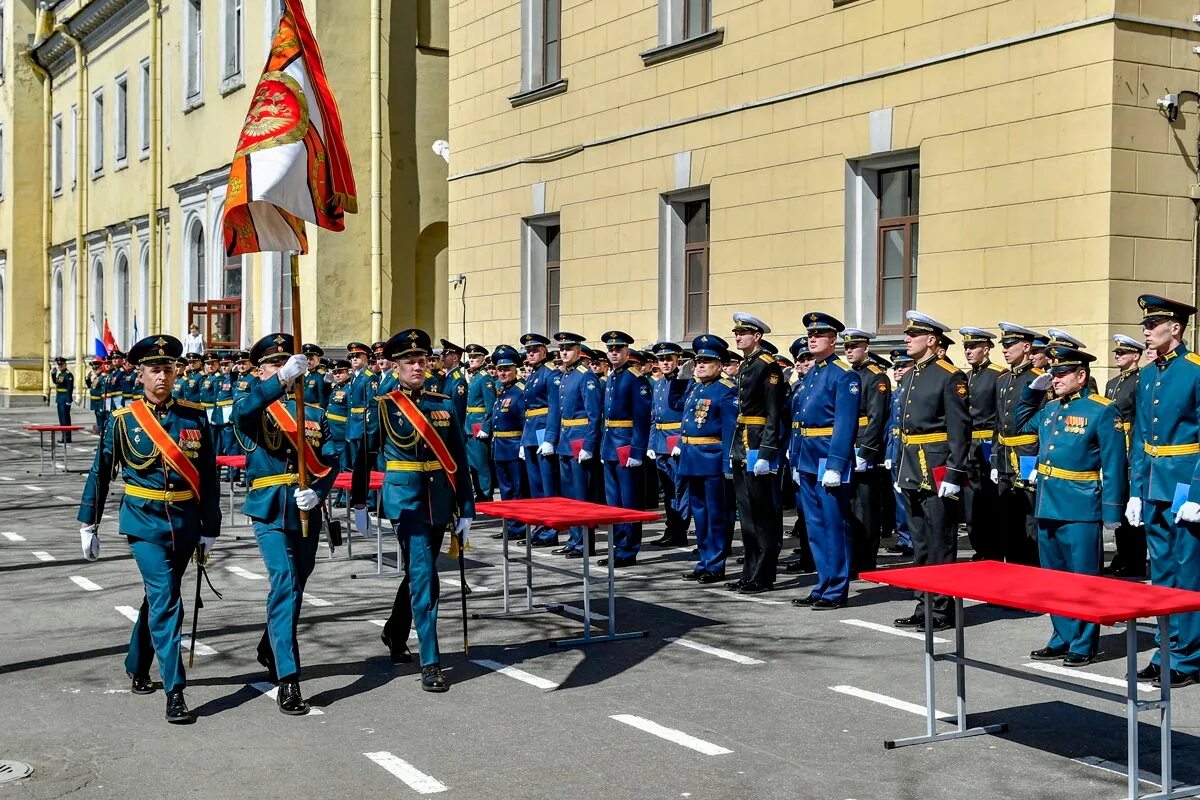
168, 496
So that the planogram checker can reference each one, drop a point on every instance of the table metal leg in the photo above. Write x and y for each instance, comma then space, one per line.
529, 608
960, 669
612, 635
1164, 719
379, 571
41, 453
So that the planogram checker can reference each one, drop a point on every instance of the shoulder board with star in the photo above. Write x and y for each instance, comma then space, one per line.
946, 365
1193, 357
845, 366
1099, 398
726, 382
997, 368
189, 404
767, 357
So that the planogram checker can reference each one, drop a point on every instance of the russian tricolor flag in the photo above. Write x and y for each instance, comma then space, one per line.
98, 343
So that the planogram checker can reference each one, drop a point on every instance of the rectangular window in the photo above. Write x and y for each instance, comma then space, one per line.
121, 128
285, 291
551, 40
695, 266
74, 146
3, 44
899, 195
97, 133
144, 89
553, 284
231, 43
56, 166
193, 50
697, 18
541, 52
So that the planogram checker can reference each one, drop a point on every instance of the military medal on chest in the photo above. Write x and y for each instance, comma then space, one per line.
701, 413
189, 442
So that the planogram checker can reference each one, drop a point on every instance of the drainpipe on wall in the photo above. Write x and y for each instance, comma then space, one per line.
81, 179
47, 211
154, 323
376, 176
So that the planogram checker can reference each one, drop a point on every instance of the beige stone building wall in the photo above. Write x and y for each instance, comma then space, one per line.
1052, 189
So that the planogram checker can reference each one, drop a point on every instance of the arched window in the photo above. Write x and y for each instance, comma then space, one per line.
198, 267
57, 311
122, 319
97, 312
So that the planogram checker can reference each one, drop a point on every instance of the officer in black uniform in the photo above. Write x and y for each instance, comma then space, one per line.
1014, 454
1130, 560
868, 482
755, 455
935, 436
980, 493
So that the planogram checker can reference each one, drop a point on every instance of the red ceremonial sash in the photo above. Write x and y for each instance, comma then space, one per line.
166, 445
287, 424
425, 429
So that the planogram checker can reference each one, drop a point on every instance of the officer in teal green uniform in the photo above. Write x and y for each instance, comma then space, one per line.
181, 379
64, 391
338, 410
171, 510
477, 425
1165, 491
95, 385
362, 388
316, 388
1080, 487
222, 411
267, 423
507, 423
426, 488
195, 374
130, 390
454, 378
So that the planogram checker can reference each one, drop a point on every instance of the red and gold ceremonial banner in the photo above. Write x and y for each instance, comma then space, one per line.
291, 163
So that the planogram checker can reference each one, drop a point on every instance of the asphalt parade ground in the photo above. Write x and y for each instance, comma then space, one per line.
727, 696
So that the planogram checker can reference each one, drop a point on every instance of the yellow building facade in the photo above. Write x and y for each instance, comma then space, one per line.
114, 176
655, 165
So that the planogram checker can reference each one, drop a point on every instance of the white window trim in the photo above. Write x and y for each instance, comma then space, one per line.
145, 87
672, 299
533, 270
194, 99
534, 86
70, 155
57, 154
862, 221
120, 109
97, 134
232, 81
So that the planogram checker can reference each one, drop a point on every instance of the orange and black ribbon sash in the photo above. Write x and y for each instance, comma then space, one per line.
426, 431
287, 423
170, 451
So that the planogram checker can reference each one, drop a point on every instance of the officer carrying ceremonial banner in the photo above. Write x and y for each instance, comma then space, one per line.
171, 510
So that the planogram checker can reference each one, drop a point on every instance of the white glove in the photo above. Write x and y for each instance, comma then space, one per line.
89, 539
545, 449
1042, 382
887, 464
650, 454
584, 455
675, 451
1111, 526
463, 529
796, 477
860, 464
896, 487
362, 523
1188, 512
293, 368
306, 499
521, 453
831, 479
204, 549
1032, 478
1133, 511
481, 435
762, 467
948, 489
630, 463
994, 475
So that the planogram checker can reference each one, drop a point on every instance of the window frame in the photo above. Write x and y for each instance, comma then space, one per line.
908, 224
705, 21
673, 39
690, 327
536, 84
121, 121
534, 274
74, 149
145, 87
233, 12
97, 133
553, 287
550, 9
57, 148
193, 54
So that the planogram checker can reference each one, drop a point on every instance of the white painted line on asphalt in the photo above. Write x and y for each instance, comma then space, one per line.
65, 499
34, 488
12, 537
749, 598
514, 673
84, 583
5, 478
672, 735
201, 648
316, 601
875, 626
728, 655
412, 635
273, 691
578, 612
883, 699
415, 779
245, 573
453, 581
81, 449
1117, 767
129, 612
42, 555
1055, 669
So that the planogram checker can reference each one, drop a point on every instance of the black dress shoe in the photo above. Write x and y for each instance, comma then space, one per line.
177, 711
499, 535
1077, 660
692, 575
938, 625
432, 679
793, 567
572, 553
733, 586
711, 577
1150, 672
398, 655
828, 605
805, 602
1049, 654
915, 621
141, 684
562, 551
669, 541
618, 562
1178, 679
545, 542
900, 550
290, 701
752, 587
740, 560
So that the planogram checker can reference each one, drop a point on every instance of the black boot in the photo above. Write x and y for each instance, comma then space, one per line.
177, 711
290, 701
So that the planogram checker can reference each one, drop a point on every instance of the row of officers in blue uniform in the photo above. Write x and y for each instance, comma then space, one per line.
1028, 454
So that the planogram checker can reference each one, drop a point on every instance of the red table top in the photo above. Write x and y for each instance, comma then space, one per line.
1086, 597
561, 513
53, 428
374, 484
231, 461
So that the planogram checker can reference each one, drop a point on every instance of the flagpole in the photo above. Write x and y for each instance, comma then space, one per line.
301, 438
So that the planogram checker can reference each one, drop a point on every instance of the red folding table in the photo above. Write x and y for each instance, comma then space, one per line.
231, 463
41, 431
561, 514
374, 484
1104, 601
